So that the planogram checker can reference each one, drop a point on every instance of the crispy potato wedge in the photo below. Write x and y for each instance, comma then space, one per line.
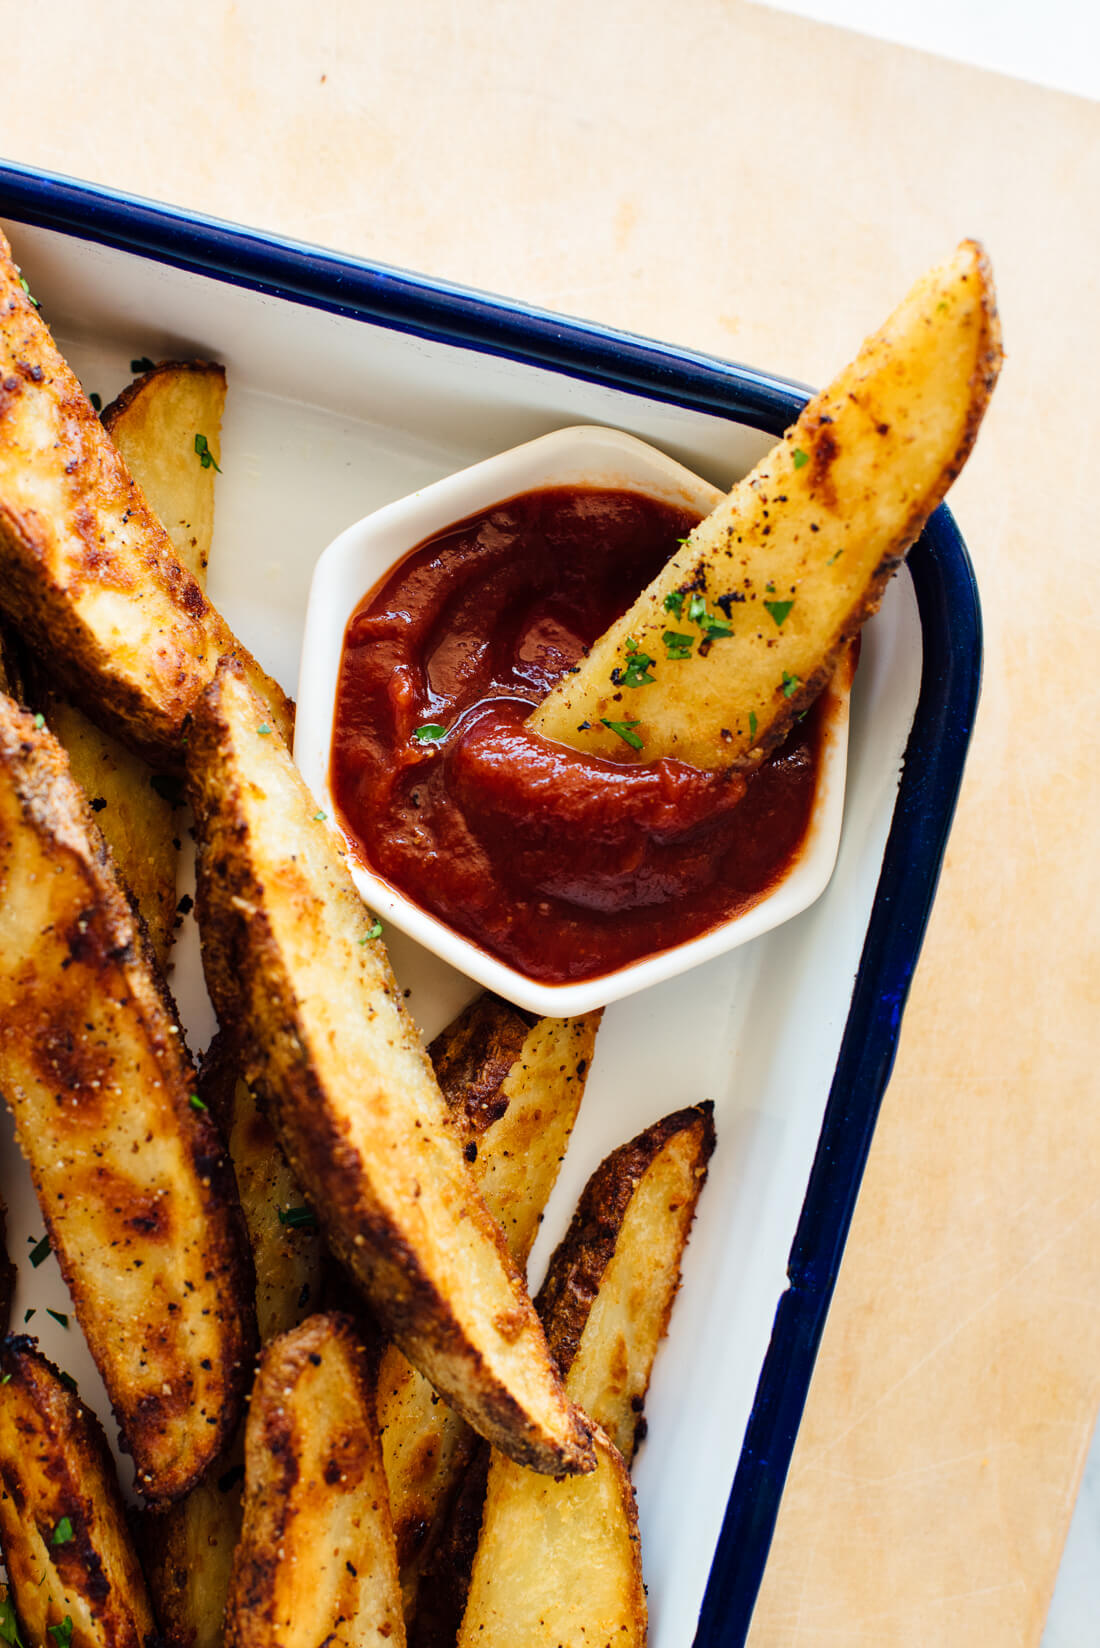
135, 813
7, 1271
67, 1549
133, 1181
154, 423
771, 585
316, 1562
87, 572
605, 1304
307, 992
612, 1281
558, 1563
187, 1553
512, 1090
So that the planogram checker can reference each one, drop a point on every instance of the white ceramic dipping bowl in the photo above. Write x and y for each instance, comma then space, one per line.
355, 561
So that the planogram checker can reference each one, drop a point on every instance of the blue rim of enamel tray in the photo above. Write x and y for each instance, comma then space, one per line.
950, 619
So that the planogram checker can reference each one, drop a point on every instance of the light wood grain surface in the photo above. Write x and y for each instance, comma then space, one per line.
728, 178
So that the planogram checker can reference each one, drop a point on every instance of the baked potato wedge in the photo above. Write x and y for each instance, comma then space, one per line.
66, 1546
743, 627
187, 1553
316, 1561
133, 1180
155, 423
558, 1563
512, 1090
302, 983
87, 572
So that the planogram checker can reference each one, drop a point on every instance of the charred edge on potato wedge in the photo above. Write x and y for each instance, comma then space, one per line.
316, 1560
154, 424
303, 987
63, 1528
87, 572
769, 588
132, 1179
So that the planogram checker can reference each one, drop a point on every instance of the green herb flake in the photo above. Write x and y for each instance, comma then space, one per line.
835, 557
319, 818
752, 725
196, 1103
625, 731
63, 1533
791, 684
297, 1218
677, 645
205, 456
637, 671
97, 401
263, 730
30, 294
375, 932
142, 364
40, 721
801, 459
779, 610
58, 1316
6, 1380
40, 1252
697, 610
62, 1634
430, 733
27, 1314
716, 629
674, 601
9, 1630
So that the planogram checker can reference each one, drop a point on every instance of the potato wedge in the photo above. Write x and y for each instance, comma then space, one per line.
133, 1181
316, 1562
87, 572
154, 424
187, 1553
512, 1090
558, 1564
769, 587
605, 1304
67, 1549
306, 990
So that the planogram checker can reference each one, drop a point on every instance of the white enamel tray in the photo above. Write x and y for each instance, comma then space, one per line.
331, 415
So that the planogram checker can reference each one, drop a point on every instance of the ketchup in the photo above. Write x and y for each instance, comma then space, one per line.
563, 865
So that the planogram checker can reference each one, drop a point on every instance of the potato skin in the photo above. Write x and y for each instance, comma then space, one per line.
301, 984
87, 572
138, 1196
797, 557
55, 1465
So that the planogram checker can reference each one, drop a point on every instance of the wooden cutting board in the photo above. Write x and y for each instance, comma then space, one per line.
748, 183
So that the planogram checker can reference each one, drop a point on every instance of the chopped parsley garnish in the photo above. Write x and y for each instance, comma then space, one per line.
319, 818
801, 459
297, 1218
778, 610
674, 601
697, 610
374, 932
791, 684
835, 557
40, 721
770, 586
205, 456
58, 1316
264, 730
63, 1633
97, 401
27, 1314
143, 364
625, 730
196, 1103
430, 733
9, 1630
6, 1380
63, 1533
677, 645
30, 294
40, 1252
67, 1380
752, 724
637, 670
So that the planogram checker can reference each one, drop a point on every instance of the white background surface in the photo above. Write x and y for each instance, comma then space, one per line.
1056, 44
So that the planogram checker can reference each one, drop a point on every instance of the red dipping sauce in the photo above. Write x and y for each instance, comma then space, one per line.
563, 866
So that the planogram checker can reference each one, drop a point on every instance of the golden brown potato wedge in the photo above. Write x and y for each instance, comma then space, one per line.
187, 1553
316, 1562
133, 1180
605, 1303
155, 424
613, 1279
301, 982
512, 1090
558, 1564
744, 626
63, 1528
87, 572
